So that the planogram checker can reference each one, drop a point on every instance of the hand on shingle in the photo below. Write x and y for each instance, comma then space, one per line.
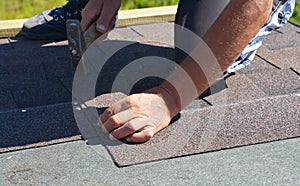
139, 116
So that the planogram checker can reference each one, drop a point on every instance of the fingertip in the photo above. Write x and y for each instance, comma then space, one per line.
139, 137
106, 114
101, 28
111, 137
128, 139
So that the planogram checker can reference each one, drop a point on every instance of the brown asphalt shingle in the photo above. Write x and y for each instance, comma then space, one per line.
283, 58
240, 89
286, 37
262, 102
275, 83
240, 124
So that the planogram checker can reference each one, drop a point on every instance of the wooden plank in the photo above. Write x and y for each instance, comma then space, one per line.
147, 15
9, 28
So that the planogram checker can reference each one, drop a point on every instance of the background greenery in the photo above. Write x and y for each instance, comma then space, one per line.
17, 9
296, 15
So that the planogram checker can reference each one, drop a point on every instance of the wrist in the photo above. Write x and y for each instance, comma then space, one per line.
170, 96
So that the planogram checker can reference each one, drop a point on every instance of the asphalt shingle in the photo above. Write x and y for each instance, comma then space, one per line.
39, 124
126, 33
39, 94
6, 100
240, 89
285, 37
282, 58
207, 130
262, 105
58, 64
5, 44
257, 66
277, 82
161, 34
22, 43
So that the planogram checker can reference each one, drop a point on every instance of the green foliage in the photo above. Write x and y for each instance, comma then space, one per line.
17, 9
132, 4
296, 15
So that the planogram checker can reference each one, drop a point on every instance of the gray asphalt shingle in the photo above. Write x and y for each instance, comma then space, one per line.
38, 124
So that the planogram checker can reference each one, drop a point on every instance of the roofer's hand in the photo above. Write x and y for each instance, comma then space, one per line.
139, 116
104, 11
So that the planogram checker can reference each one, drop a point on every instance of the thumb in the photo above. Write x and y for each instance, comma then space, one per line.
107, 16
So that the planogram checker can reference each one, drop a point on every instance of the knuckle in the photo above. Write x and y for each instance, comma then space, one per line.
108, 111
133, 100
131, 126
130, 100
113, 120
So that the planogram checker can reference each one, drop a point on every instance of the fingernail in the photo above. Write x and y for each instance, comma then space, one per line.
111, 137
101, 27
128, 139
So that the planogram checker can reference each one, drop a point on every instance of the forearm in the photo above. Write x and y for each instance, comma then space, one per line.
228, 36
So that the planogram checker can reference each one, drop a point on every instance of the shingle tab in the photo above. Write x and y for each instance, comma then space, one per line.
17, 56
282, 58
242, 124
59, 65
38, 94
39, 124
22, 43
6, 99
22, 66
125, 33
160, 33
240, 89
277, 82
288, 36
257, 66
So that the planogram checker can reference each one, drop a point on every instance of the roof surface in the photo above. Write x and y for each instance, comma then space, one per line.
262, 100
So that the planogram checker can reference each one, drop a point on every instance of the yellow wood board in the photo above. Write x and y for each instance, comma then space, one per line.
10, 28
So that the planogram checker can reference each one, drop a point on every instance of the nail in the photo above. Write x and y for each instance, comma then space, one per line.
101, 27
111, 137
128, 139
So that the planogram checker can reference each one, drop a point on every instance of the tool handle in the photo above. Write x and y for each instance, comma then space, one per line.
90, 35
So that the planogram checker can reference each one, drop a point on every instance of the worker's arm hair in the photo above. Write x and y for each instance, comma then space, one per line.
236, 26
239, 22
